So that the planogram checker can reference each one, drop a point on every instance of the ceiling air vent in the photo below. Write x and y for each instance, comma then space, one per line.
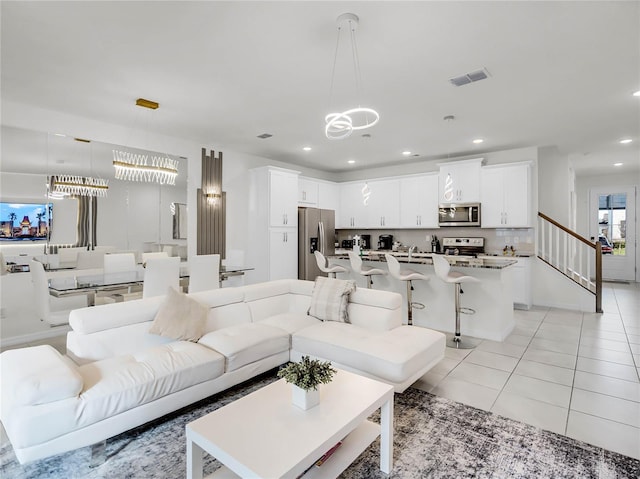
265, 136
470, 77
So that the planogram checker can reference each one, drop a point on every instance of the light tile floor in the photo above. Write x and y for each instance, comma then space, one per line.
576, 374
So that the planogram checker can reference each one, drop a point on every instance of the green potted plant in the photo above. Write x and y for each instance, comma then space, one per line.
305, 378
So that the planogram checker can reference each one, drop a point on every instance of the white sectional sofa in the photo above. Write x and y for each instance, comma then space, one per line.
118, 376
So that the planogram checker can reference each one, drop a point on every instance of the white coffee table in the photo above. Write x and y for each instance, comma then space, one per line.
264, 435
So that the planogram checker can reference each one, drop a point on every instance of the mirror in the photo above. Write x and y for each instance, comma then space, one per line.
133, 215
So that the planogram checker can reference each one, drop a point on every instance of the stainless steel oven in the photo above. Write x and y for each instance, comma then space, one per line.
459, 214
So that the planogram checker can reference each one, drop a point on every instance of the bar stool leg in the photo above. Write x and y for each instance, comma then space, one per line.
456, 340
409, 304
332, 275
369, 281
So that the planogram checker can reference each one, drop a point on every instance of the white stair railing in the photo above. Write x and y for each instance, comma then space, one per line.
572, 255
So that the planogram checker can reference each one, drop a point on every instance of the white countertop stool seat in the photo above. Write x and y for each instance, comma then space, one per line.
359, 268
407, 275
325, 267
443, 271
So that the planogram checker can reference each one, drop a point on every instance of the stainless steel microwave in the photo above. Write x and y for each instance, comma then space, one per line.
459, 214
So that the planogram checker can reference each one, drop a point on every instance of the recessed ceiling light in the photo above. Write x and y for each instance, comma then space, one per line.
637, 93
351, 162
307, 148
626, 140
617, 164
406, 153
477, 141
264, 136
59, 134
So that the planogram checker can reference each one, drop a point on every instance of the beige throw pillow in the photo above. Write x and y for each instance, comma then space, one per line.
180, 317
330, 298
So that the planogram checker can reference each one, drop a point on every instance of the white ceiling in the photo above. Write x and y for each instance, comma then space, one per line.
562, 73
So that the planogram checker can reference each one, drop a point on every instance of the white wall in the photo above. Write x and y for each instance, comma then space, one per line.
553, 184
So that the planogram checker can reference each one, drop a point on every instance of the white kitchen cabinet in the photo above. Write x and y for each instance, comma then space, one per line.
353, 212
283, 253
272, 247
329, 196
459, 181
419, 201
282, 197
522, 283
383, 210
505, 196
307, 192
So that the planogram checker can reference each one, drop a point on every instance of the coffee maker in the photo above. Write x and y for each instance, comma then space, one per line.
365, 241
385, 242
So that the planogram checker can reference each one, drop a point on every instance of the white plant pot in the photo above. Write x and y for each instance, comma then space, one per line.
304, 399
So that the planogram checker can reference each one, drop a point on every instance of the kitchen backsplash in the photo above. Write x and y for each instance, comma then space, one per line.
522, 239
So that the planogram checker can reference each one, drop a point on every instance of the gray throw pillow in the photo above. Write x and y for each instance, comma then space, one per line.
330, 298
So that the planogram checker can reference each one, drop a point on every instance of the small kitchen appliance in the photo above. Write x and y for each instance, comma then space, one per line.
365, 241
385, 242
459, 214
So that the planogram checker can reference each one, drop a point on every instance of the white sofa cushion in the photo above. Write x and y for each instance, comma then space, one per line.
39, 375
118, 384
246, 343
290, 322
109, 316
374, 309
392, 355
275, 297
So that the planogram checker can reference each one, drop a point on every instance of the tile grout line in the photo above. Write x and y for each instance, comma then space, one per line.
519, 359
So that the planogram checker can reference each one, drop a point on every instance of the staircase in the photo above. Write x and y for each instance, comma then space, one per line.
576, 257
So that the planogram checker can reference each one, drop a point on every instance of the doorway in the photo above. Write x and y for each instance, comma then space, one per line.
612, 220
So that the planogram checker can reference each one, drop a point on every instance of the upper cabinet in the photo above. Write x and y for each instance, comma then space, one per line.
459, 181
329, 196
308, 192
383, 208
353, 212
506, 196
369, 204
419, 201
282, 197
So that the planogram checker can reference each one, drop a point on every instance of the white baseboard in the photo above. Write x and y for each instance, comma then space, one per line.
37, 336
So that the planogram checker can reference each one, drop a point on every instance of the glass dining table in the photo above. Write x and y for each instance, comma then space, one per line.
91, 284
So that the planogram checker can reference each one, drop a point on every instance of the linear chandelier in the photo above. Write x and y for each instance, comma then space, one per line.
78, 186
340, 125
139, 167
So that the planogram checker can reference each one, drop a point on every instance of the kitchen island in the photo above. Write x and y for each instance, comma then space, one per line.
492, 297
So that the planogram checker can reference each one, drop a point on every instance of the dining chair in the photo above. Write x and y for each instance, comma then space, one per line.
41, 298
119, 262
90, 260
204, 272
3, 265
155, 254
161, 274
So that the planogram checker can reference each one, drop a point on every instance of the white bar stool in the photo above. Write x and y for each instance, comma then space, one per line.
367, 271
443, 271
407, 275
325, 267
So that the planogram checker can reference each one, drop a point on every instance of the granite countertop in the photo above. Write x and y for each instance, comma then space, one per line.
497, 262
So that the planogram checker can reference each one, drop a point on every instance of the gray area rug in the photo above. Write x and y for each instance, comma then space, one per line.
434, 437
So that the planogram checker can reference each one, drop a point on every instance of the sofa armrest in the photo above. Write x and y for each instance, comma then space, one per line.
38, 375
115, 315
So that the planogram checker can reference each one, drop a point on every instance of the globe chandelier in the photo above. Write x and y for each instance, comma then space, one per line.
341, 125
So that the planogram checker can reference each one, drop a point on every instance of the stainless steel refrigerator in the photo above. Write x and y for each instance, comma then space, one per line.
316, 231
